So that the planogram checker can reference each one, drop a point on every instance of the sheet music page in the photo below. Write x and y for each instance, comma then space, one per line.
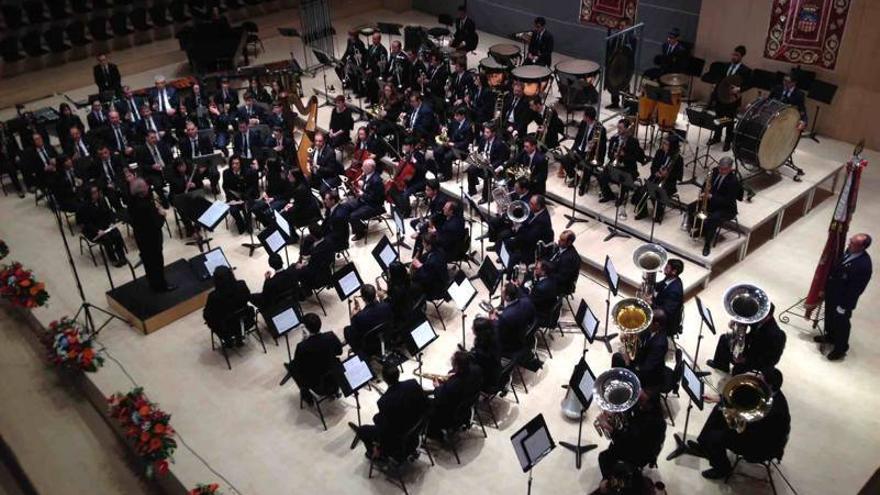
613, 277
461, 293
213, 259
401, 225
586, 385
285, 321
275, 241
693, 382
590, 323
388, 255
357, 372
423, 334
107, 231
282, 223
504, 255
537, 444
518, 448
349, 283
213, 214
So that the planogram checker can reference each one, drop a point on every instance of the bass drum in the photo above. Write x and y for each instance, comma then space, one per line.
767, 134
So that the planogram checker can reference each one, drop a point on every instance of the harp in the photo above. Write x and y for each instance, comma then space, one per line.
309, 112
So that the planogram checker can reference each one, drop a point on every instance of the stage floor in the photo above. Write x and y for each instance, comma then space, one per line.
254, 433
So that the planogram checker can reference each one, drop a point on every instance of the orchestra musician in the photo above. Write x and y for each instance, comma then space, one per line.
67, 120
536, 227
649, 361
65, 185
373, 313
321, 254
536, 163
118, 135
625, 479
499, 226
401, 296
250, 112
80, 145
198, 99
341, 123
430, 276
417, 62
486, 352
789, 93
451, 230
639, 442
226, 96
465, 36
401, 406
374, 67
667, 169
106, 171
180, 184
566, 261
154, 157
163, 98
764, 438
495, 152
283, 147
369, 202
847, 279
550, 126
106, 75
515, 112
277, 118
420, 120
480, 101
513, 321
460, 135
325, 169
452, 396
156, 122
39, 160
146, 223
315, 360
544, 292
743, 73
625, 153
246, 141
10, 156
397, 66
672, 56
434, 80
352, 59
540, 49
194, 145
97, 118
587, 152
241, 188
391, 105
129, 106
668, 295
462, 82
721, 199
228, 298
335, 226
764, 344
409, 177
96, 220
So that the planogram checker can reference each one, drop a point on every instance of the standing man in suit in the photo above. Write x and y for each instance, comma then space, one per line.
671, 57
846, 281
400, 408
465, 37
536, 163
567, 262
763, 348
540, 44
742, 75
106, 75
668, 295
583, 155
723, 195
314, 360
495, 152
649, 361
147, 222
789, 93
369, 202
163, 97
373, 313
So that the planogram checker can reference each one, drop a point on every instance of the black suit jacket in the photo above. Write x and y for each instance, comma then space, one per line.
400, 408
465, 32
425, 124
97, 121
160, 120
745, 75
498, 154
203, 147
542, 47
220, 307
536, 228
649, 363
315, 357
632, 155
568, 266
328, 168
432, 277
671, 60
520, 114
584, 140
670, 297
366, 319
336, 227
537, 166
452, 398
796, 99
230, 97
255, 142
170, 93
450, 234
543, 294
145, 159
724, 197
512, 324
111, 80
764, 347
256, 112
847, 281
283, 281
113, 141
374, 191
461, 135
97, 172
482, 104
129, 108
94, 217
462, 84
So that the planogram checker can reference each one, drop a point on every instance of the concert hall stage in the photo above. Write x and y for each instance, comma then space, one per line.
148, 310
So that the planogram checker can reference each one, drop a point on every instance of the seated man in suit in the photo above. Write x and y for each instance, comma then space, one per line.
669, 295
460, 136
335, 226
723, 194
451, 231
79, 146
97, 117
119, 136
154, 158
763, 347
106, 75
649, 362
325, 169
514, 321
544, 292
95, 217
283, 147
317, 272
567, 262
157, 122
164, 97
373, 313
640, 442
401, 407
226, 95
420, 120
788, 92
431, 276
129, 106
515, 113
276, 283
246, 141
369, 202
500, 226
536, 163
587, 152
495, 152
65, 185
315, 360
106, 171
193, 145
454, 396
624, 149
241, 187
537, 227
250, 112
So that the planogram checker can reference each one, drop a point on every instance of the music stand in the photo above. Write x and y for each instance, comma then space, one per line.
462, 293
763, 79
705, 319
400, 226
352, 375
573, 216
625, 182
204, 264
586, 322
821, 92
532, 443
482, 221
390, 28
702, 120
285, 318
384, 253
212, 217
420, 336
326, 60
272, 240
693, 385
283, 228
489, 274
504, 256
581, 385
347, 281
613, 281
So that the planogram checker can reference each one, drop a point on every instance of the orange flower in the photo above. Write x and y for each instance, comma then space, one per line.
155, 443
25, 283
144, 410
88, 353
158, 428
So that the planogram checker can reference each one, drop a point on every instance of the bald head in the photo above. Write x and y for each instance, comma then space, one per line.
858, 243
139, 188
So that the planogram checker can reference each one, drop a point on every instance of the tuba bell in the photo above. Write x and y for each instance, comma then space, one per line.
631, 316
747, 398
650, 258
746, 304
616, 392
518, 211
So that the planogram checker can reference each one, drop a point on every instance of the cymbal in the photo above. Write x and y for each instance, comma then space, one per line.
674, 79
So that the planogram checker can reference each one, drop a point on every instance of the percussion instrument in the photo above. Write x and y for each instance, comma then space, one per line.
724, 91
674, 80
620, 68
666, 113
647, 106
572, 74
767, 134
534, 78
367, 31
506, 53
496, 73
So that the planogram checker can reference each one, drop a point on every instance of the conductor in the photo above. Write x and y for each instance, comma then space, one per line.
146, 221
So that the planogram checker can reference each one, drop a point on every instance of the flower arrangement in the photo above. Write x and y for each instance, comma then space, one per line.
71, 346
18, 285
201, 489
147, 427
4, 249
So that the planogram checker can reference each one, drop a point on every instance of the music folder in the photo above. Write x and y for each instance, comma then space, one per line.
347, 281
384, 253
284, 319
532, 442
586, 321
611, 275
489, 275
272, 240
213, 215
282, 225
421, 336
204, 264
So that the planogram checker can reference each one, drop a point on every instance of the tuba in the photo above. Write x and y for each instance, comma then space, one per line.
650, 258
747, 398
746, 304
518, 211
616, 392
631, 316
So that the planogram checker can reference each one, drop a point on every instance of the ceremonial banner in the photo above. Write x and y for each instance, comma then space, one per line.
806, 32
614, 14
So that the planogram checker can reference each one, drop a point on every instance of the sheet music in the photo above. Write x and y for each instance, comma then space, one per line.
586, 385
109, 229
462, 293
613, 277
357, 372
275, 241
521, 455
423, 334
349, 283
213, 214
213, 259
282, 223
589, 323
285, 321
388, 255
504, 255
537, 444
693, 382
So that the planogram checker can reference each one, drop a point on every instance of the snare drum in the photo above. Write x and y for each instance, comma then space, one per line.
534, 78
496, 74
504, 52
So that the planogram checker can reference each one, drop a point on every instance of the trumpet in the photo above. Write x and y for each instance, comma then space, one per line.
747, 398
616, 392
746, 304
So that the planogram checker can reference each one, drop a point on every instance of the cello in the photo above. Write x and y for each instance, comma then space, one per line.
405, 171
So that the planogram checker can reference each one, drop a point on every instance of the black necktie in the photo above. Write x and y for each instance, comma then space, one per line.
108, 169
192, 144
120, 140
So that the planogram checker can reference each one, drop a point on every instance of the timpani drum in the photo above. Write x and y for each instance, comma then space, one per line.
767, 134
534, 78
576, 79
504, 52
496, 73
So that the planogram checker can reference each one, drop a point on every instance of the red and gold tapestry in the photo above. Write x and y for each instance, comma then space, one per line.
614, 14
806, 32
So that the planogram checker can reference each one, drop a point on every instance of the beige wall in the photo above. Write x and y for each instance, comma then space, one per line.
856, 109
